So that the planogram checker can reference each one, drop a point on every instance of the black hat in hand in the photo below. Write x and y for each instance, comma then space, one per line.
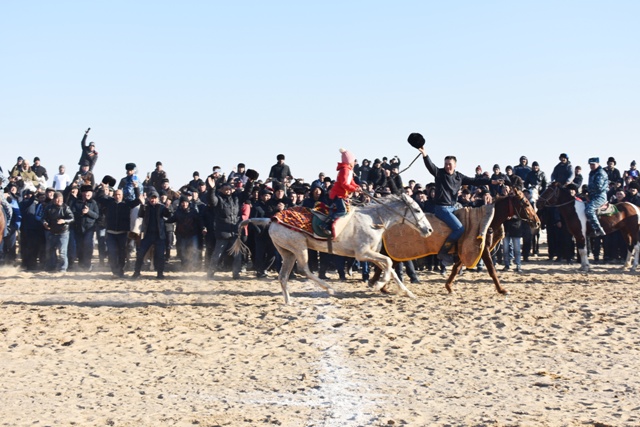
416, 140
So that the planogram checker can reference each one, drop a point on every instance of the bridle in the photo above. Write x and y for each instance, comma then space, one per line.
515, 211
554, 195
407, 208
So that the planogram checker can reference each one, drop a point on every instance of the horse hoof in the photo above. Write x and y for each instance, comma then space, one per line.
330, 291
378, 286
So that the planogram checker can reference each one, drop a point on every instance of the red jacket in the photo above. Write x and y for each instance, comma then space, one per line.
344, 185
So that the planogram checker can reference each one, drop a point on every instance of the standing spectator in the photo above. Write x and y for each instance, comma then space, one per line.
632, 195
280, 171
31, 231
227, 208
24, 177
577, 178
86, 212
522, 169
56, 219
632, 172
9, 248
513, 238
362, 173
172, 195
127, 183
613, 174
61, 180
40, 172
153, 215
536, 179
376, 175
89, 153
189, 226
155, 178
84, 176
563, 172
498, 181
238, 174
118, 225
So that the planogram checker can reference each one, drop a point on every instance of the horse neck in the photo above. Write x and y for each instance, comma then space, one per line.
503, 210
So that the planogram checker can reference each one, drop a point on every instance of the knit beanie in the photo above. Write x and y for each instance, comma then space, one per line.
347, 156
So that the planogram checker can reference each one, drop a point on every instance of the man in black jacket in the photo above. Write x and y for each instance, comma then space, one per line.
56, 219
448, 182
227, 208
154, 233
86, 212
118, 218
89, 153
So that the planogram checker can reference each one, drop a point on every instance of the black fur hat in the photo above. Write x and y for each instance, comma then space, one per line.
252, 174
109, 180
86, 187
416, 140
130, 166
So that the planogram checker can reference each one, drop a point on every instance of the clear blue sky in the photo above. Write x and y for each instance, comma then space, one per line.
197, 84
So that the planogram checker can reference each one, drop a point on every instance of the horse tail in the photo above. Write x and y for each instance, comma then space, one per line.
238, 246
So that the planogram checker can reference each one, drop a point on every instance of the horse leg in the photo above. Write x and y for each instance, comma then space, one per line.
303, 262
455, 270
288, 261
386, 265
491, 269
633, 254
584, 261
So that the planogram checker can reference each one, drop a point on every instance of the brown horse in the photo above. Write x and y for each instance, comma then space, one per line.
513, 205
516, 204
627, 220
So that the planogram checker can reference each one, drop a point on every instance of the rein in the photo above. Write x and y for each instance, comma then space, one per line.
406, 209
556, 190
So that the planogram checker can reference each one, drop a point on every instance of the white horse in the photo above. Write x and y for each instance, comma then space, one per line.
361, 239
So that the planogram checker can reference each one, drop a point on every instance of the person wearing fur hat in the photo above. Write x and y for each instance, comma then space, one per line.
613, 174
89, 153
189, 227
448, 184
342, 189
126, 183
280, 171
598, 184
632, 194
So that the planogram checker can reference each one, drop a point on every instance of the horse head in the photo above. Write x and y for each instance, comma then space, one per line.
417, 219
549, 196
523, 208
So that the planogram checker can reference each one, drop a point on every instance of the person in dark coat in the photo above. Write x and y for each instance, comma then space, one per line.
118, 225
227, 208
153, 215
89, 153
189, 226
31, 231
613, 174
86, 212
280, 171
563, 172
56, 220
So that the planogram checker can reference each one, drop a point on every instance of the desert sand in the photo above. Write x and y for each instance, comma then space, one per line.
85, 349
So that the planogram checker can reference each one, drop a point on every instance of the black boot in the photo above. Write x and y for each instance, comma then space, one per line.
444, 256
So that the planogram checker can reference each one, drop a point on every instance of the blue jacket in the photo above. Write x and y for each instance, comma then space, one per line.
562, 173
598, 184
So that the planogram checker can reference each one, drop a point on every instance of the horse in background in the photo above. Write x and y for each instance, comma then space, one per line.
627, 220
361, 238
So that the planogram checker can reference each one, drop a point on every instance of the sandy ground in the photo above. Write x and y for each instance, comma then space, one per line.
563, 349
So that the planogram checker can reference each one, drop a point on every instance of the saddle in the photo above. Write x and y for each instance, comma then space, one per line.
608, 209
310, 221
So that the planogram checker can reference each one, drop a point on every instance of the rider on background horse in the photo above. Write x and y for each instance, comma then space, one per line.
342, 189
598, 184
448, 183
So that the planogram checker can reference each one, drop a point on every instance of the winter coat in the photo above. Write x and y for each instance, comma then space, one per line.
53, 213
344, 185
227, 211
85, 222
562, 173
598, 184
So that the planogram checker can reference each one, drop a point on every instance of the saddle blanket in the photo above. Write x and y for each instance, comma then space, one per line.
608, 209
296, 218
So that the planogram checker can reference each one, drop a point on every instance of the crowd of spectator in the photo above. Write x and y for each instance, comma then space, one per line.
55, 223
